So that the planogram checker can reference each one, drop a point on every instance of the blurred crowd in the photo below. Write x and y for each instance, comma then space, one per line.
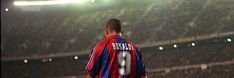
210, 72
69, 67
26, 33
41, 33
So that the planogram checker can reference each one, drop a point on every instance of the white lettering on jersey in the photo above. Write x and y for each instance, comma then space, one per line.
122, 46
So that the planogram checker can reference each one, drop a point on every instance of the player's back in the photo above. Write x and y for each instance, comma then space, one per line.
116, 57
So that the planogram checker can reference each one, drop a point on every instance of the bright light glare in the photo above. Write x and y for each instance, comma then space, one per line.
193, 44
6, 9
160, 48
76, 57
52, 2
229, 40
175, 46
25, 61
92, 1
50, 59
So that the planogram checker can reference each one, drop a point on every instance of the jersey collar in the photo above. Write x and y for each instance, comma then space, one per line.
114, 36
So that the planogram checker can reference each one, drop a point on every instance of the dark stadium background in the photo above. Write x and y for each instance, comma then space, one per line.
178, 38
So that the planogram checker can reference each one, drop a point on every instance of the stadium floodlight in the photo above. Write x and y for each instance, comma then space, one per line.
160, 48
25, 61
73, 1
51, 2
229, 40
76, 57
43, 60
92, 1
6, 9
193, 44
175, 46
50, 59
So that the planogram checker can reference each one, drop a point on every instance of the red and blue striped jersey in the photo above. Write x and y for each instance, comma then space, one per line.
115, 57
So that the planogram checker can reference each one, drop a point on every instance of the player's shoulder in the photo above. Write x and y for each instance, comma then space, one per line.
99, 45
102, 42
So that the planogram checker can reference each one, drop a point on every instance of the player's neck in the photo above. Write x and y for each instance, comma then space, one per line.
112, 34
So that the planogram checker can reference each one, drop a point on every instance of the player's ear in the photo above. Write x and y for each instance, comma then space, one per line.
121, 33
106, 30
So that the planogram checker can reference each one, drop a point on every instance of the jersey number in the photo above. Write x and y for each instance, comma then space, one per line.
124, 60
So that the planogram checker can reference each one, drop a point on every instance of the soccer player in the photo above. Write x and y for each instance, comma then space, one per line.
115, 56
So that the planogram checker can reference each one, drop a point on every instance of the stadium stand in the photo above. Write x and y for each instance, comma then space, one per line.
42, 33
209, 58
52, 34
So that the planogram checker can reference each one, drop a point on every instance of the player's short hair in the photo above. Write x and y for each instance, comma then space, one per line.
114, 25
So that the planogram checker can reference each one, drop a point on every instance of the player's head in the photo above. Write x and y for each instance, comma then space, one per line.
113, 26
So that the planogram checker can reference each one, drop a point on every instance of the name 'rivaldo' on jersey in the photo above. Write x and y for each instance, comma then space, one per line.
122, 46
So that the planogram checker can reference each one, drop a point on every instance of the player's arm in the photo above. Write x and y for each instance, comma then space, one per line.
144, 76
88, 76
93, 66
